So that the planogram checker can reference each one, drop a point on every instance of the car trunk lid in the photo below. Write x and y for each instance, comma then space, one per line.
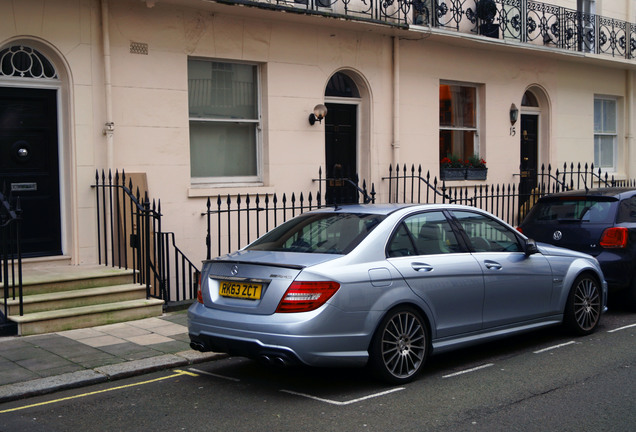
253, 281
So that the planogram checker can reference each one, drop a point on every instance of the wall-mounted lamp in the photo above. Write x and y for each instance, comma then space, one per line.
320, 112
514, 115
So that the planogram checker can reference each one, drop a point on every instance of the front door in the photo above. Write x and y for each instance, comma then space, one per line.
341, 153
29, 165
529, 156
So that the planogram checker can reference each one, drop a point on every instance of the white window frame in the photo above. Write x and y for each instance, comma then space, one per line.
606, 134
235, 180
476, 129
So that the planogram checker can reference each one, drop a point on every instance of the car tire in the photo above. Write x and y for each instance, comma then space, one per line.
584, 305
400, 346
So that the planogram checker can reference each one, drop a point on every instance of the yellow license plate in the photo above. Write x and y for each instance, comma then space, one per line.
244, 290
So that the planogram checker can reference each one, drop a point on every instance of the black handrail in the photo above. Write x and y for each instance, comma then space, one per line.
130, 232
368, 197
430, 187
10, 255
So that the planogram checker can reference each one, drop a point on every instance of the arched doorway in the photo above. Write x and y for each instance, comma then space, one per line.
533, 140
344, 158
29, 145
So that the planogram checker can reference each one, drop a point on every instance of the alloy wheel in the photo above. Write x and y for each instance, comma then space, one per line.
403, 345
587, 304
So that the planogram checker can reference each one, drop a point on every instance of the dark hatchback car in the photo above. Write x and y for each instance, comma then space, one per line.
600, 222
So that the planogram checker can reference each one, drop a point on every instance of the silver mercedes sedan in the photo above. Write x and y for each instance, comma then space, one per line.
388, 285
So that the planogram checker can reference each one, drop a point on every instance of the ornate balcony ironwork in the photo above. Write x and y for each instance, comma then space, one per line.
525, 21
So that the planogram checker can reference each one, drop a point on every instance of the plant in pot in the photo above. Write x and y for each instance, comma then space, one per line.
452, 168
486, 11
476, 168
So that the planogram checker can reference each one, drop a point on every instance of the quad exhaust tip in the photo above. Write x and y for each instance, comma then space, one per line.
274, 361
197, 346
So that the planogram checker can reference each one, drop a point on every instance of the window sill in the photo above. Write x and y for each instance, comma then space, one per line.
206, 190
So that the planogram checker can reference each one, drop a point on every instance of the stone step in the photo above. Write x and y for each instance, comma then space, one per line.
86, 316
34, 264
65, 278
76, 298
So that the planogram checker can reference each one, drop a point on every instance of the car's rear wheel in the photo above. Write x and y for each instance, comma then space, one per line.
583, 308
400, 346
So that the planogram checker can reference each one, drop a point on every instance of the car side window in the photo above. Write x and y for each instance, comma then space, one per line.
627, 210
401, 243
486, 234
429, 233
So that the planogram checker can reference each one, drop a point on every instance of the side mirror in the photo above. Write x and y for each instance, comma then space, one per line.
531, 247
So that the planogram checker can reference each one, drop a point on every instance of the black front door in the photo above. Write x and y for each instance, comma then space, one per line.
29, 165
340, 153
528, 165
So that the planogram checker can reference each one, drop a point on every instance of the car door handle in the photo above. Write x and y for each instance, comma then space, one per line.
421, 267
492, 265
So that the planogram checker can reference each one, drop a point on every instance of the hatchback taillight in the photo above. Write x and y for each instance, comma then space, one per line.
614, 237
307, 296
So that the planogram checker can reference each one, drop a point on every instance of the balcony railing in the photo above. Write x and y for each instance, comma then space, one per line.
524, 21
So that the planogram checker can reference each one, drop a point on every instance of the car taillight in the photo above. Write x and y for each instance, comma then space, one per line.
199, 293
306, 296
614, 237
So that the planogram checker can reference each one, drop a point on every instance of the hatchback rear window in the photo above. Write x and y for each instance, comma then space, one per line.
319, 233
627, 210
585, 210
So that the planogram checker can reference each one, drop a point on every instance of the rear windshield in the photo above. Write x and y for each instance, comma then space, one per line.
585, 210
319, 233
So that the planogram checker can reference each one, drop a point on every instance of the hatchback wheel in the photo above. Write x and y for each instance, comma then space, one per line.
583, 308
400, 346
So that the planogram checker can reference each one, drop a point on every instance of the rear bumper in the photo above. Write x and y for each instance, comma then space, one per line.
326, 337
618, 269
251, 349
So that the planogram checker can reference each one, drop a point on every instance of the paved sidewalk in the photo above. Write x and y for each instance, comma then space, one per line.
40, 364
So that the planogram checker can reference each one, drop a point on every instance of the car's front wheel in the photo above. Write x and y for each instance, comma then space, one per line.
584, 306
400, 346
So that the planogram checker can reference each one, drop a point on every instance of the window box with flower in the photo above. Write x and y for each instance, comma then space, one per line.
452, 168
476, 168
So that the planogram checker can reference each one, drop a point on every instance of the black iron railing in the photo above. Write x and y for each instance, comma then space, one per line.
235, 222
10, 256
510, 202
524, 21
579, 176
130, 236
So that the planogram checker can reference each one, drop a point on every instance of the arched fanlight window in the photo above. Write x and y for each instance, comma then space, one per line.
529, 100
25, 62
341, 85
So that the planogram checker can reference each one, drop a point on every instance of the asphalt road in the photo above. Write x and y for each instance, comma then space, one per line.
544, 381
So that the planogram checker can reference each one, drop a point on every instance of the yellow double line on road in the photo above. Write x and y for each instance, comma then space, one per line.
176, 374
